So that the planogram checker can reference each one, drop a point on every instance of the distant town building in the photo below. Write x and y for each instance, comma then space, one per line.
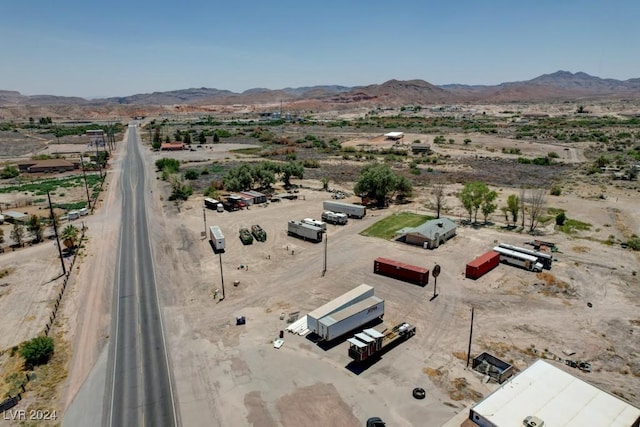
394, 135
47, 166
96, 137
171, 146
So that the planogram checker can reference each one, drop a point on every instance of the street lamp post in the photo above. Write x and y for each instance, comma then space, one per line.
221, 276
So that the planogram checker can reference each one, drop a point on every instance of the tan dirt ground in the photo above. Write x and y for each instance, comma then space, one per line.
231, 375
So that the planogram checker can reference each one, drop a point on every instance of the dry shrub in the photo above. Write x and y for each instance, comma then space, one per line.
581, 249
460, 355
433, 373
461, 390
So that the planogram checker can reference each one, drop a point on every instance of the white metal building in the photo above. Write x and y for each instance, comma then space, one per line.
549, 395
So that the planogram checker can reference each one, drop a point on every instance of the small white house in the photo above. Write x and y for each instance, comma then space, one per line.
430, 235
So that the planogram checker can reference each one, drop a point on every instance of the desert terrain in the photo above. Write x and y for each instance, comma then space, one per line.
225, 374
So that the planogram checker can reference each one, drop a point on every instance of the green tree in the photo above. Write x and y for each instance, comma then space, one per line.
202, 138
216, 138
156, 145
325, 183
1, 235
472, 197
505, 212
156, 136
178, 135
187, 138
561, 218
36, 227
17, 234
69, 236
513, 206
238, 179
377, 181
180, 189
488, 206
170, 165
167, 139
292, 169
9, 172
37, 351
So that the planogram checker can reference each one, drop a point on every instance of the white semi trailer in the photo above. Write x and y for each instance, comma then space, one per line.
335, 217
217, 238
315, 222
357, 294
355, 211
304, 231
346, 320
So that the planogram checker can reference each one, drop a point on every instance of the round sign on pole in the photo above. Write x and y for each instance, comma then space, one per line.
436, 270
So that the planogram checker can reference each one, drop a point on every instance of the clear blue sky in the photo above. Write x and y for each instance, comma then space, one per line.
118, 48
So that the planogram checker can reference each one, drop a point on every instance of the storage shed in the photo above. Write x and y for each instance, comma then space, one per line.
549, 395
254, 197
430, 235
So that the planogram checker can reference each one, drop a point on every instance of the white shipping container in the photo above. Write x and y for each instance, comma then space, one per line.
315, 223
346, 320
355, 295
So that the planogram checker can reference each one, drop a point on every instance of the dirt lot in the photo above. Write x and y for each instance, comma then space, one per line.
231, 375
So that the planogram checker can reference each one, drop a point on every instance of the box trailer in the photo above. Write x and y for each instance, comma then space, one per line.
316, 223
398, 270
519, 259
355, 295
482, 265
217, 238
335, 217
346, 320
544, 258
304, 231
355, 211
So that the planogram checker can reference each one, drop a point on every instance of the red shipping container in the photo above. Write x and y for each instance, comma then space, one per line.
398, 270
482, 265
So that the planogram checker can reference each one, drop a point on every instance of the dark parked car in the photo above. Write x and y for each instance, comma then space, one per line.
375, 422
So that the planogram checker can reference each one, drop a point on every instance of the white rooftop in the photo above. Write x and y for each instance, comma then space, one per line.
394, 134
557, 398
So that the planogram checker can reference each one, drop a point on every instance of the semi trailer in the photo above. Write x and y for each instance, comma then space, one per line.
482, 265
357, 294
354, 211
217, 238
304, 231
518, 259
370, 342
337, 218
346, 320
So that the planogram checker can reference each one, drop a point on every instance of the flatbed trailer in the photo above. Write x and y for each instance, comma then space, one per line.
371, 342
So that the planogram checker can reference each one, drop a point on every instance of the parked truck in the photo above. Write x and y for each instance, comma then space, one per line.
482, 265
346, 320
401, 271
304, 231
217, 238
354, 211
370, 342
335, 217
258, 233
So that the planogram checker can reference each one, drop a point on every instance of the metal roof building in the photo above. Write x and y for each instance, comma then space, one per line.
431, 234
554, 397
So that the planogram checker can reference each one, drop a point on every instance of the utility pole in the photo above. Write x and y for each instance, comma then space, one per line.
55, 231
324, 269
470, 336
204, 214
84, 175
221, 276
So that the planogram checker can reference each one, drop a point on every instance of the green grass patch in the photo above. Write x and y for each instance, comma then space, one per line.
40, 188
386, 228
251, 150
571, 226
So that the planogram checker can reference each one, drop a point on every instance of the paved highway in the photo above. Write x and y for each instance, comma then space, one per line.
138, 388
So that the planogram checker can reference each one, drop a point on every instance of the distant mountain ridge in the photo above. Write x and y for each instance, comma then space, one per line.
547, 87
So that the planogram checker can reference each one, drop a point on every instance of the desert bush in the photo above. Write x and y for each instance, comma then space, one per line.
37, 351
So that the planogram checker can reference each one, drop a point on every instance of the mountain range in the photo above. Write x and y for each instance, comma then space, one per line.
561, 85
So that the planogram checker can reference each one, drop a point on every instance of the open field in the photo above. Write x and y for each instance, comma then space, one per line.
231, 375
